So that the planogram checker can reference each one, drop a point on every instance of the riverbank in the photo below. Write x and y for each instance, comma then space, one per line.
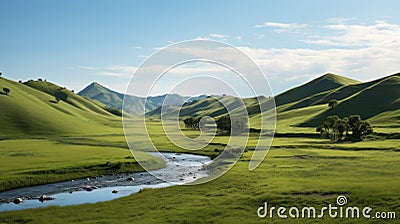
180, 168
30, 162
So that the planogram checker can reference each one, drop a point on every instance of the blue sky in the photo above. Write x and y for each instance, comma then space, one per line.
74, 43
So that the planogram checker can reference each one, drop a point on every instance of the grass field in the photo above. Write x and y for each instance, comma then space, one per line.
27, 162
297, 172
293, 174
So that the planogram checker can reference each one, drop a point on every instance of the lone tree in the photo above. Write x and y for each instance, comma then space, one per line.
332, 103
1, 73
6, 90
336, 128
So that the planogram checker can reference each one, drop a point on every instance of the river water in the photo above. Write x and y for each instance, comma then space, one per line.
180, 169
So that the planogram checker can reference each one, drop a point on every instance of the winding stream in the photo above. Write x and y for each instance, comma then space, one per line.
181, 168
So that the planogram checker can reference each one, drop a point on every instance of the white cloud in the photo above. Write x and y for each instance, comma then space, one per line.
218, 36
361, 51
201, 38
112, 71
379, 34
282, 27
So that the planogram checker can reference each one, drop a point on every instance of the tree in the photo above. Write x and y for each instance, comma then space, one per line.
224, 123
188, 122
1, 73
192, 123
6, 90
327, 126
234, 126
358, 127
332, 103
336, 128
59, 95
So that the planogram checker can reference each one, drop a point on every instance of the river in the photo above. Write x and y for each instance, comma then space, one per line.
180, 168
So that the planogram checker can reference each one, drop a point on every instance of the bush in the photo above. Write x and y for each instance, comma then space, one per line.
6, 91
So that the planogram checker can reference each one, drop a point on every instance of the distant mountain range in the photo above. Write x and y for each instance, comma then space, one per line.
133, 104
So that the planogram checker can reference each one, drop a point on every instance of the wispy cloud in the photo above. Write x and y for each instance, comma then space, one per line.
202, 38
379, 34
282, 27
218, 36
363, 51
112, 71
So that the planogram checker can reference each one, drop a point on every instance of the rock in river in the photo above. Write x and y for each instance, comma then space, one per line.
44, 198
17, 201
130, 179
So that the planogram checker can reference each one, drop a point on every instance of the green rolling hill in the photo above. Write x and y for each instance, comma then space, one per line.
375, 98
306, 106
31, 109
321, 84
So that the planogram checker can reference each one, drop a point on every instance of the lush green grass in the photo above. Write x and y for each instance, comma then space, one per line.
318, 85
40, 161
100, 93
301, 109
28, 112
380, 97
294, 176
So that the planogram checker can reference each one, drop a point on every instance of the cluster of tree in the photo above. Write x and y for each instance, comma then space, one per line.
234, 126
349, 128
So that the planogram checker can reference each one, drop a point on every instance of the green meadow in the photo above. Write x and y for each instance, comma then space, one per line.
296, 172
44, 141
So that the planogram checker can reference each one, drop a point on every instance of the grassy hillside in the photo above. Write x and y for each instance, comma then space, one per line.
302, 108
31, 110
213, 108
102, 94
318, 85
379, 97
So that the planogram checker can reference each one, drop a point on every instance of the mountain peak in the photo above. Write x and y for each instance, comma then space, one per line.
337, 79
321, 84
